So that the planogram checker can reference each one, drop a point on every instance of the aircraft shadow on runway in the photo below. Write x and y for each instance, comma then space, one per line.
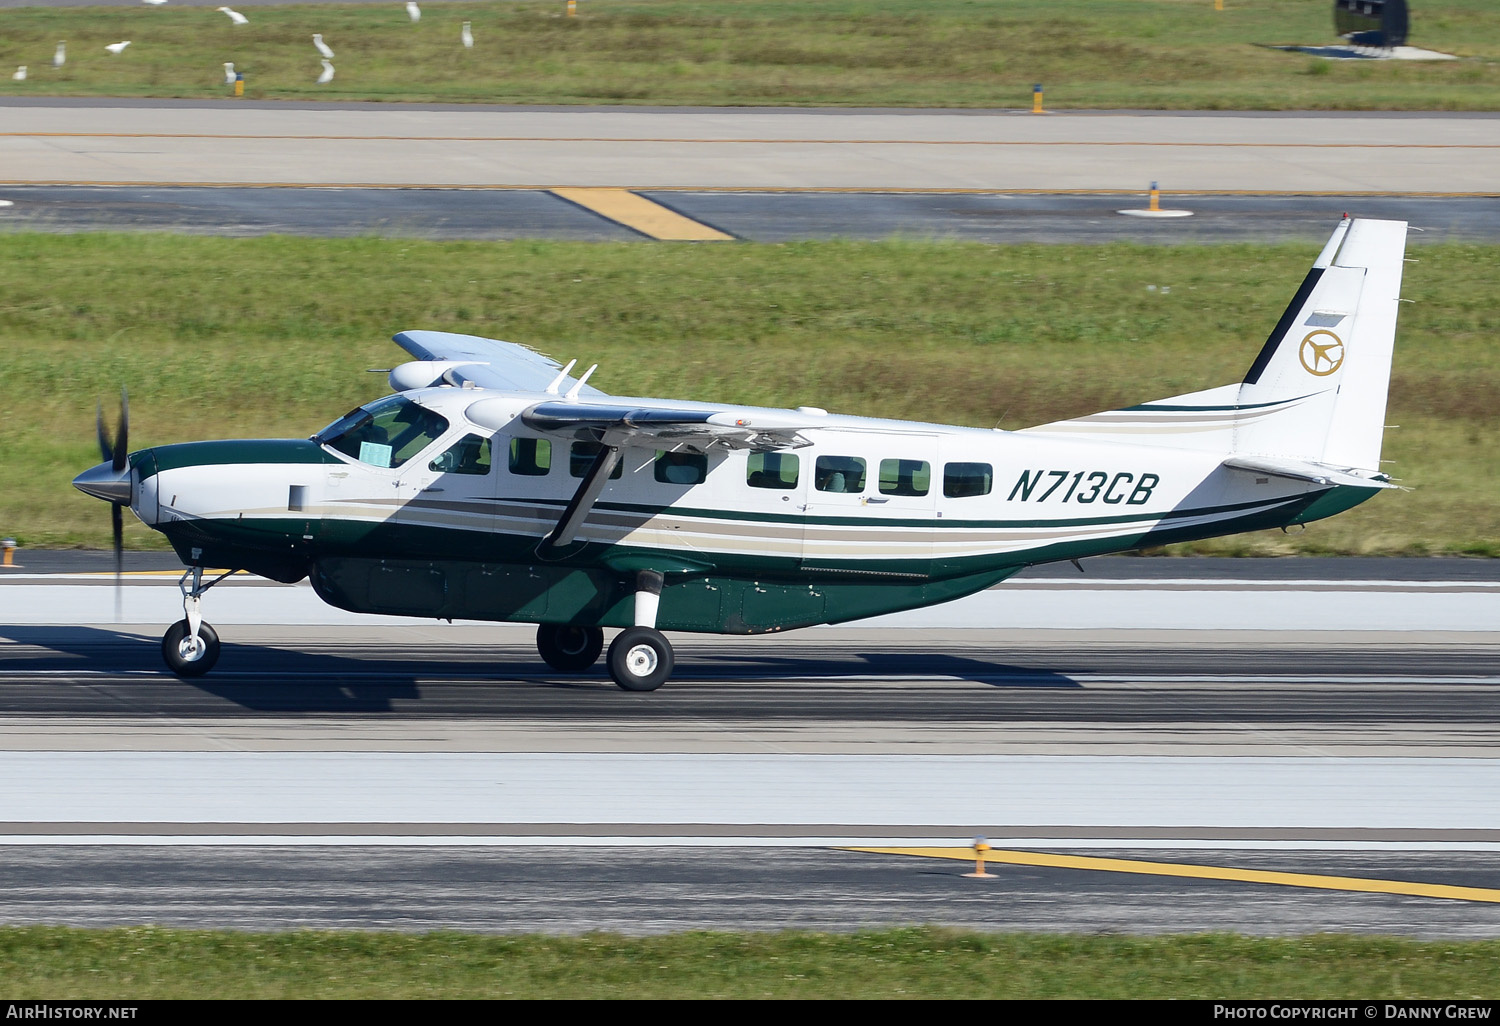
482, 679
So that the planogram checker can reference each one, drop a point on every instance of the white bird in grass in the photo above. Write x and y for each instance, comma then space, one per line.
467, 37
327, 75
154, 3
229, 72
60, 57
413, 11
322, 46
115, 48
234, 16
20, 75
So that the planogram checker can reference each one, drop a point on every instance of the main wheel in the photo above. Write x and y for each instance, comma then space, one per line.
640, 659
567, 648
187, 656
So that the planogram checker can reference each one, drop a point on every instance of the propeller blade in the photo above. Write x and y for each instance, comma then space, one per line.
122, 434
106, 452
117, 521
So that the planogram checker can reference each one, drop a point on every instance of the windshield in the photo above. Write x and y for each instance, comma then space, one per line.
385, 433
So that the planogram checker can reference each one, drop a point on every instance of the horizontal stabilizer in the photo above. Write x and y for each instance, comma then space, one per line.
1300, 470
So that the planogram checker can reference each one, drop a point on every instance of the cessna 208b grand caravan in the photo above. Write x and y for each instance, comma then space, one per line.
493, 485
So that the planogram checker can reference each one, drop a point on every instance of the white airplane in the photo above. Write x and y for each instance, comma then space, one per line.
494, 485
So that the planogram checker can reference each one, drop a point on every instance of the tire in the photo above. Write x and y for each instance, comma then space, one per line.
181, 659
569, 649
640, 659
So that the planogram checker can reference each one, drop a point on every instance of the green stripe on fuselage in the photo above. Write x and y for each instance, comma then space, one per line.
239, 450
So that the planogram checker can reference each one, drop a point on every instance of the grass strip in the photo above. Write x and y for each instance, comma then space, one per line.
919, 53
272, 337
921, 962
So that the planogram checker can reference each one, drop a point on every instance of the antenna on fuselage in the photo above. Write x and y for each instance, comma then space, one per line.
557, 381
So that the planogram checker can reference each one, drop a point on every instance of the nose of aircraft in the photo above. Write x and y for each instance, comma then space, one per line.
105, 482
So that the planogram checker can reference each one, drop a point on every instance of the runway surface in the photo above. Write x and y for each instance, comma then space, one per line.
428, 776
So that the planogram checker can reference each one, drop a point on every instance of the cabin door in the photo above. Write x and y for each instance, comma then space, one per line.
872, 502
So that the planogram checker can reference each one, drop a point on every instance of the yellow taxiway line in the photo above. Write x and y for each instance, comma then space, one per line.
625, 207
1313, 880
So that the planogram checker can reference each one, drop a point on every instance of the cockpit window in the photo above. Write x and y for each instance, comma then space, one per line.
385, 433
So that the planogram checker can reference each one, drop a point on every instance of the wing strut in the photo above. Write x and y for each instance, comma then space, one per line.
583, 500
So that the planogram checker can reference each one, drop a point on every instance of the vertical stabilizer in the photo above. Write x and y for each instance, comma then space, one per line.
1329, 358
1315, 393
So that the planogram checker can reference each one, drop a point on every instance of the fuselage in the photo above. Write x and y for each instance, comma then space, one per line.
445, 517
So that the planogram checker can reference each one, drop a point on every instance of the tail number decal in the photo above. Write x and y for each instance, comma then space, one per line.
1085, 486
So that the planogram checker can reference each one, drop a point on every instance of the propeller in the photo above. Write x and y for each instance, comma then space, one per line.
116, 453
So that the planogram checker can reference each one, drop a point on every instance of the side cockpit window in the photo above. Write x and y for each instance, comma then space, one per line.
386, 433
469, 455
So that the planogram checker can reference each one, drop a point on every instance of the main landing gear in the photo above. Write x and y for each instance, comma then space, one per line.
569, 649
640, 658
190, 646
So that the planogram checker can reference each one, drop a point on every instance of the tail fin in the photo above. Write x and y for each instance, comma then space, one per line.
1317, 391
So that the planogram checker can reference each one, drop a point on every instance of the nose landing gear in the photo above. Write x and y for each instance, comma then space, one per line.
190, 647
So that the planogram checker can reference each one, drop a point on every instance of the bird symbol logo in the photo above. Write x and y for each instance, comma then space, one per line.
1321, 358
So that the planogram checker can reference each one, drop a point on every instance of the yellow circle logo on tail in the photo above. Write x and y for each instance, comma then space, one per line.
1321, 356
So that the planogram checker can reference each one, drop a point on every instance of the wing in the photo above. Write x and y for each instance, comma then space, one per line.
486, 362
680, 426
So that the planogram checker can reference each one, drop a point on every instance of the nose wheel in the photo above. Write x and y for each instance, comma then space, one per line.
191, 647
188, 654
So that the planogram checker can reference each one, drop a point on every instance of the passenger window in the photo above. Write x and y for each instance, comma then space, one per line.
772, 470
530, 457
681, 468
839, 474
581, 458
905, 477
469, 455
963, 480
